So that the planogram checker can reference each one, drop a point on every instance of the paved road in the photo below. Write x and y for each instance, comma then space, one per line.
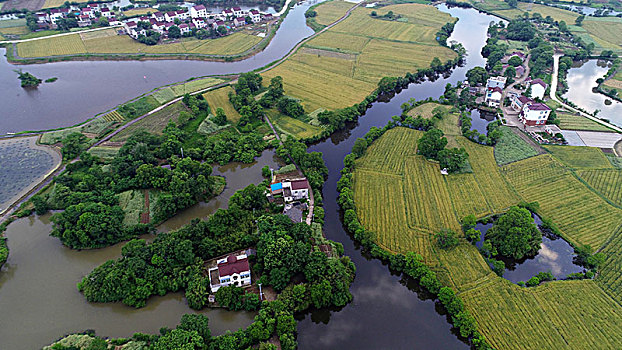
511, 116
554, 97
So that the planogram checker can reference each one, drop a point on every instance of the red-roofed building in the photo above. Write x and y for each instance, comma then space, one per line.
538, 88
217, 24
255, 16
198, 11
232, 270
159, 16
518, 102
227, 13
534, 114
237, 11
493, 96
239, 21
295, 189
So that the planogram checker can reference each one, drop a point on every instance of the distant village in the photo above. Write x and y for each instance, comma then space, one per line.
195, 18
187, 21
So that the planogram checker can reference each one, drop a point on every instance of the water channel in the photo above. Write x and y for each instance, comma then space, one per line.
86, 88
581, 81
38, 298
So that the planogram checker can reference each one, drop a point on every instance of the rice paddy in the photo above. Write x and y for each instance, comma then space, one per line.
293, 127
331, 11
556, 13
578, 157
511, 148
576, 122
169, 93
153, 123
219, 98
607, 182
108, 42
375, 48
403, 199
602, 31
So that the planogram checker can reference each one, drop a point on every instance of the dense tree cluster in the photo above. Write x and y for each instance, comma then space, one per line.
520, 29
515, 235
432, 146
27, 79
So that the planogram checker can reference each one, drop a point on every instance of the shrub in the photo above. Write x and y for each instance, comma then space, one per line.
446, 239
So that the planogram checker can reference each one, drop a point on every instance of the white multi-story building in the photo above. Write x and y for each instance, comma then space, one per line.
198, 11
496, 82
534, 114
255, 16
232, 270
493, 96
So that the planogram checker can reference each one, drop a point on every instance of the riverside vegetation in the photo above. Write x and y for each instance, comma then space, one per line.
396, 203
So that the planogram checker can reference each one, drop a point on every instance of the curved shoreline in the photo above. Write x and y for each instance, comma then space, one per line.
14, 58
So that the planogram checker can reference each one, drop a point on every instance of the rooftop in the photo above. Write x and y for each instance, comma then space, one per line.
233, 265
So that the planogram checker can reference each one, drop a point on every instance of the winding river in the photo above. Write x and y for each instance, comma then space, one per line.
38, 298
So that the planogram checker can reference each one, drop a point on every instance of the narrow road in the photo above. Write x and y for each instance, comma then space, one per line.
554, 97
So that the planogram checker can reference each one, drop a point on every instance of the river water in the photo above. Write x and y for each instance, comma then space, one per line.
38, 295
385, 313
581, 81
38, 298
86, 88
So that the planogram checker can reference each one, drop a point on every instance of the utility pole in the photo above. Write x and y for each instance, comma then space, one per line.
182, 152
260, 293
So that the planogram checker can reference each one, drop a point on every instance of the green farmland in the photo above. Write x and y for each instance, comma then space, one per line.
404, 200
356, 53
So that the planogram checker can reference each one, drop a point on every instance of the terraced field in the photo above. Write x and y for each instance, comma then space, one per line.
403, 200
375, 48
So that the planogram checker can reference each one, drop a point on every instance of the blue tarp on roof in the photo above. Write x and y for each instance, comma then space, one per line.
276, 187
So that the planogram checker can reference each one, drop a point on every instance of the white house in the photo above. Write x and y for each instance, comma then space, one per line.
217, 24
496, 82
534, 114
42, 17
493, 96
170, 16
56, 14
159, 16
237, 12
538, 88
106, 12
231, 270
181, 14
227, 13
199, 22
239, 21
84, 21
255, 16
198, 11
295, 189
518, 102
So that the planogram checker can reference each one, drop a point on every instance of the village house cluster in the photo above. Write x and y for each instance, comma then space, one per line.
196, 17
85, 16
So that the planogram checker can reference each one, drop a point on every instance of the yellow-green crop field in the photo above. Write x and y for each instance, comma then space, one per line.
331, 11
293, 127
403, 199
139, 11
57, 3
169, 93
107, 41
219, 98
375, 48
607, 182
576, 122
578, 157
426, 110
153, 123
582, 215
604, 31
556, 13
133, 204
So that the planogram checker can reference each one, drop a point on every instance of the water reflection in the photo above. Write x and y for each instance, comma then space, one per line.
87, 88
581, 81
38, 295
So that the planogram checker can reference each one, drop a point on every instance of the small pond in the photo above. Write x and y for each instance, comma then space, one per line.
480, 120
555, 255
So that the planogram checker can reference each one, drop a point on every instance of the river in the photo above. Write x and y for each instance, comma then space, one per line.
385, 313
86, 88
38, 298
38, 295
581, 81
